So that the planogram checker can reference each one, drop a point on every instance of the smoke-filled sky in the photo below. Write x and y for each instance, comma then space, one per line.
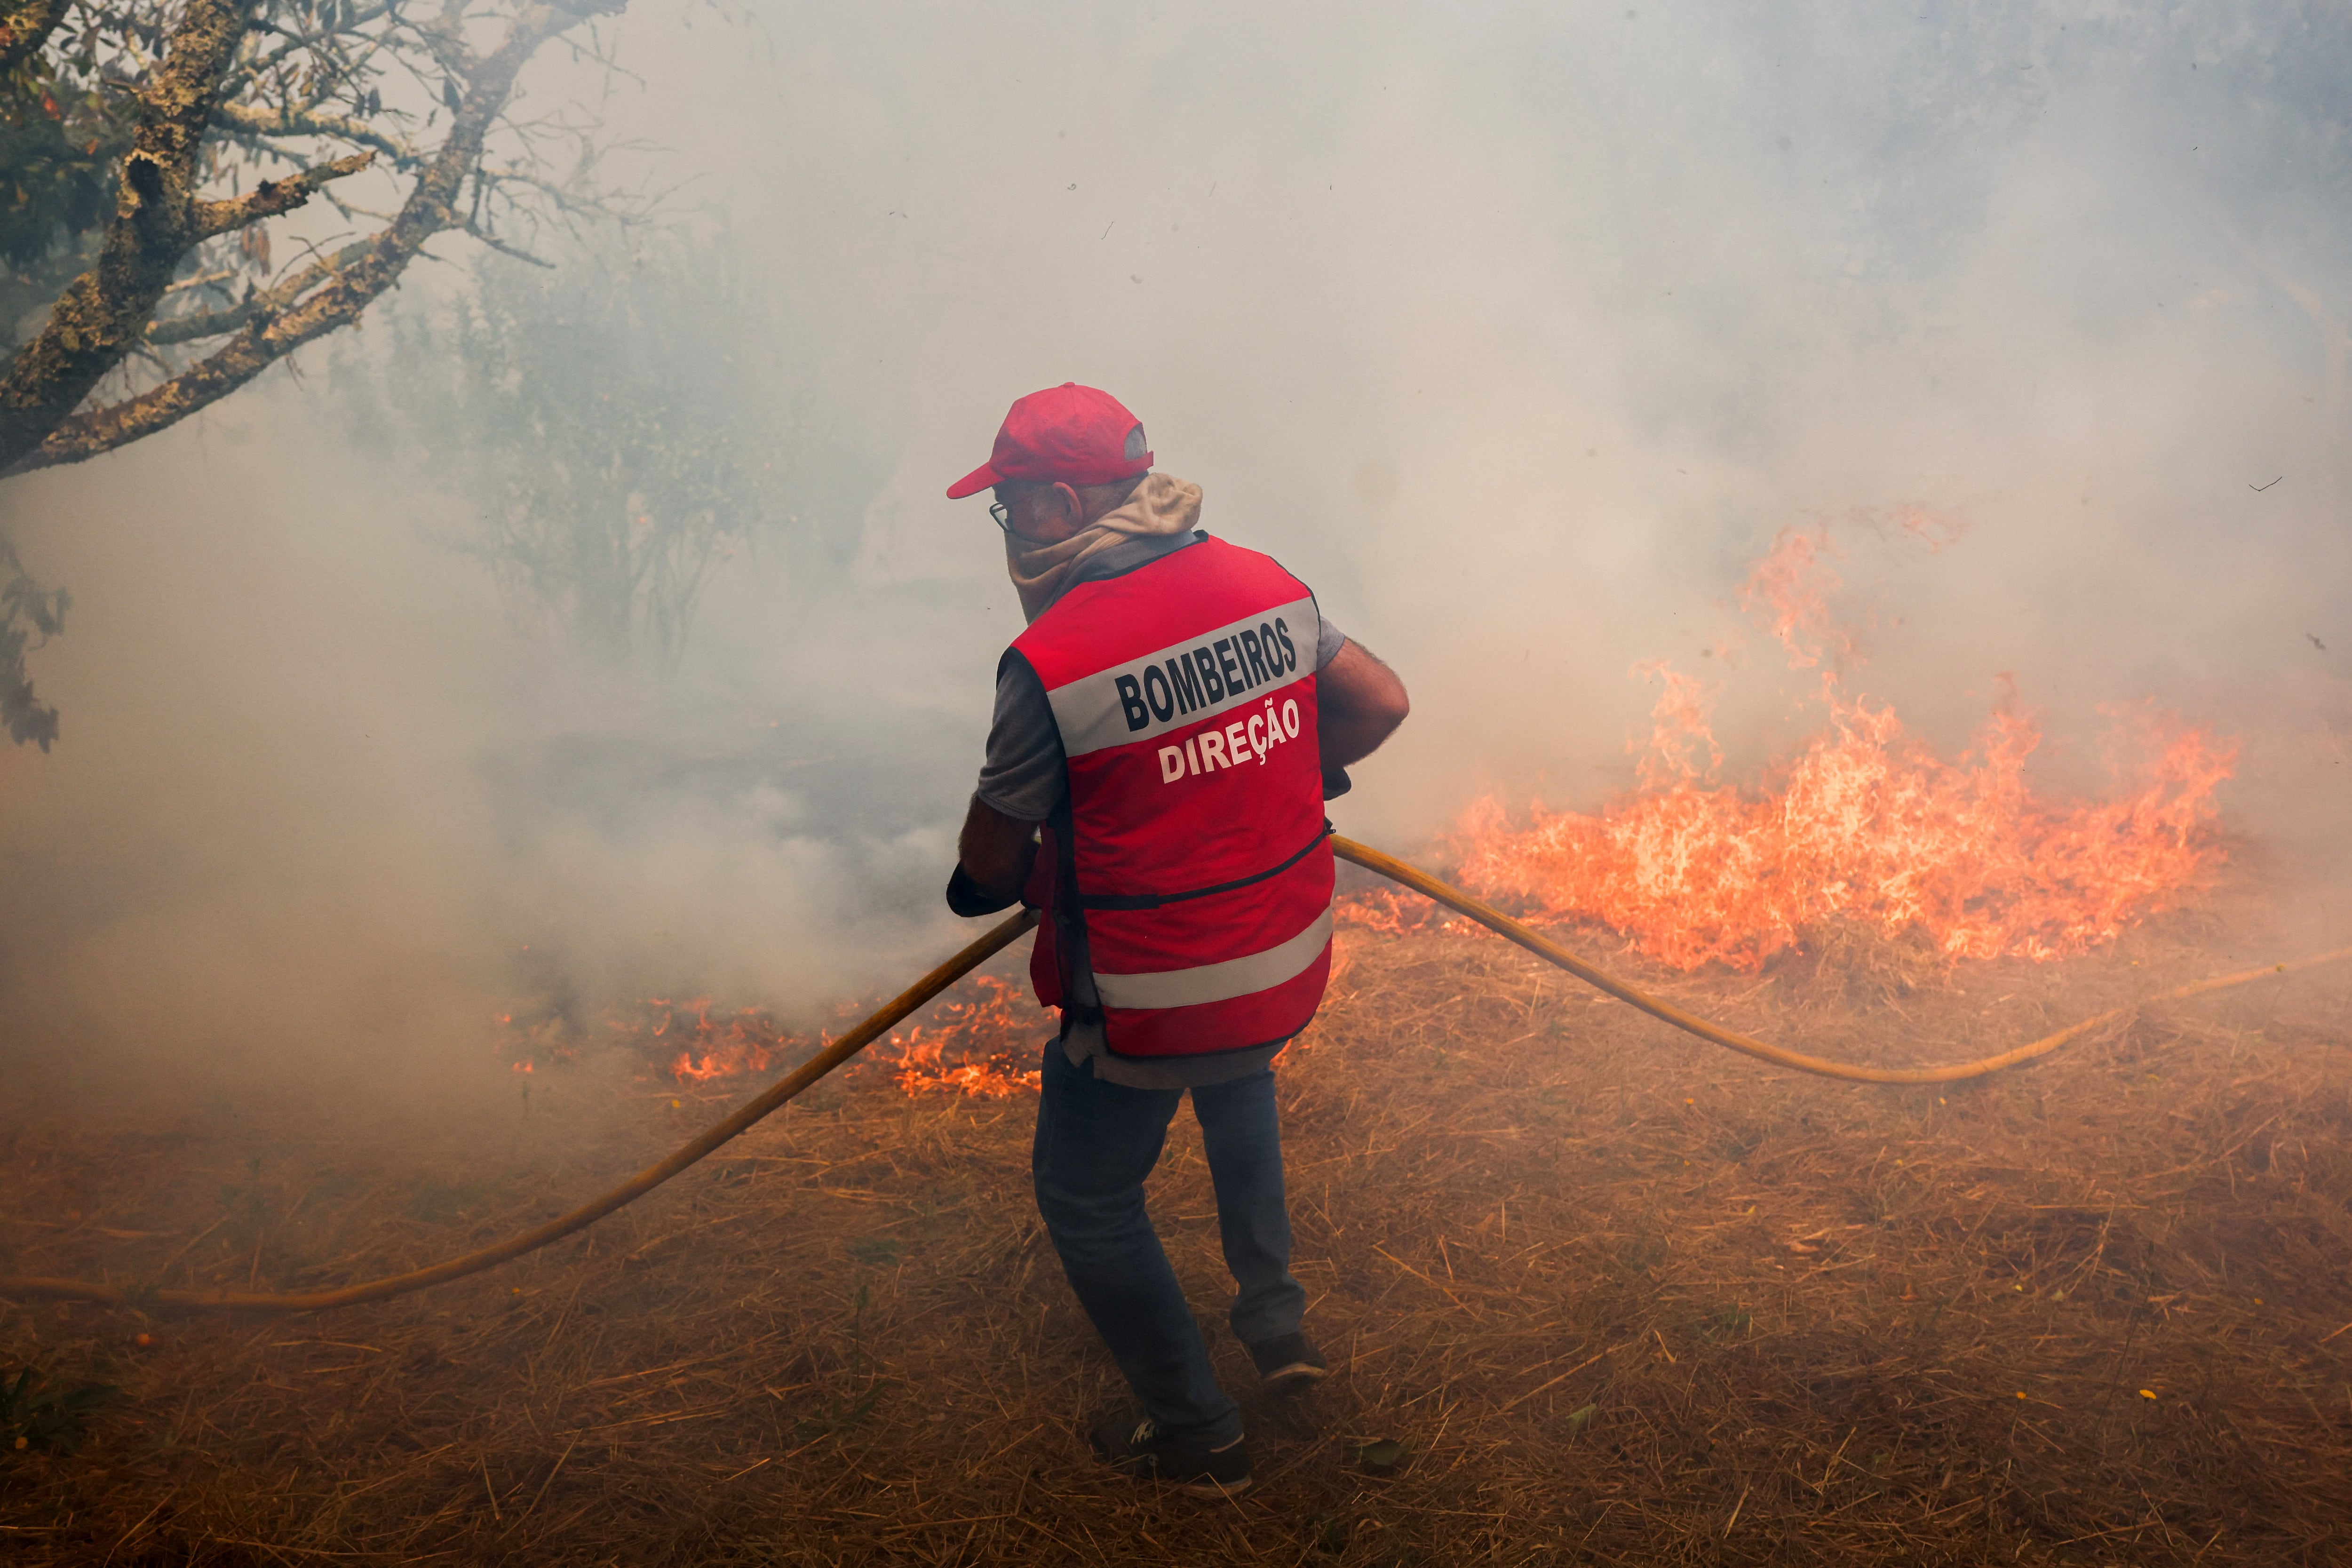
1518, 331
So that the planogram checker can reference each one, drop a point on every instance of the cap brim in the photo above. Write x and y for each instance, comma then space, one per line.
984, 477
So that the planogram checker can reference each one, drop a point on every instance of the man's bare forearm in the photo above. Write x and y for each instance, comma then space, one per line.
1360, 702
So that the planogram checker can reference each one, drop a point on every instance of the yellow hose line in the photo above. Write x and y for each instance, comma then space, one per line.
1503, 925
792, 1085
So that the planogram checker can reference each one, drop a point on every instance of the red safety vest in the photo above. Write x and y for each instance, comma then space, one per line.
1192, 849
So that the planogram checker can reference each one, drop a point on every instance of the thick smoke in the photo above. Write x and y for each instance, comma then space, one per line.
1517, 331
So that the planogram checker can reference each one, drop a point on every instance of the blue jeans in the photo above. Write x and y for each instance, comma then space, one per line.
1096, 1142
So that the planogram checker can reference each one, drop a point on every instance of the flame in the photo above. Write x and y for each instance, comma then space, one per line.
1387, 911
748, 1040
526, 1041
921, 1070
985, 1024
1867, 824
971, 1043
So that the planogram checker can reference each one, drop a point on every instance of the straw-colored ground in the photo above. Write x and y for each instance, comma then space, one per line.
1626, 1299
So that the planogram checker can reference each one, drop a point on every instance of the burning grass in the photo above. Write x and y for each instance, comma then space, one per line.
976, 1039
1617, 1296
1866, 828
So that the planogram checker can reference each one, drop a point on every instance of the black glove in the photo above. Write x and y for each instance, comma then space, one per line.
1336, 783
966, 898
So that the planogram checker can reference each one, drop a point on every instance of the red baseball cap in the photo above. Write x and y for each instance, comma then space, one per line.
1075, 434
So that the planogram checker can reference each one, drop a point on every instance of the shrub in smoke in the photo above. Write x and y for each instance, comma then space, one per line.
26, 609
606, 429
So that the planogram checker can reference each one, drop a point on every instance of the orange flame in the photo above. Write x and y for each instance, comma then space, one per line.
749, 1040
989, 1033
1789, 591
920, 1069
1867, 825
971, 1043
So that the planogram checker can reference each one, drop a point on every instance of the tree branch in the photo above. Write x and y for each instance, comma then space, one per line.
283, 294
201, 280
272, 197
503, 248
198, 324
25, 27
347, 25
105, 311
253, 122
348, 287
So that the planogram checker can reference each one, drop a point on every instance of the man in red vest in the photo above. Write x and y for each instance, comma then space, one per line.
1166, 732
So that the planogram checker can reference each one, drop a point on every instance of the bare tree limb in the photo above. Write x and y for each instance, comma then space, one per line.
25, 27
102, 313
201, 280
347, 286
251, 121
503, 248
284, 292
198, 324
272, 197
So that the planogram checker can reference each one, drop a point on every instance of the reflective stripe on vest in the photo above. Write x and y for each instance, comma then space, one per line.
1184, 693
1219, 982
1166, 694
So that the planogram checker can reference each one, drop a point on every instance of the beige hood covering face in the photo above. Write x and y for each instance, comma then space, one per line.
1159, 506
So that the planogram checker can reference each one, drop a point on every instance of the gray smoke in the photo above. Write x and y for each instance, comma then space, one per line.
1517, 331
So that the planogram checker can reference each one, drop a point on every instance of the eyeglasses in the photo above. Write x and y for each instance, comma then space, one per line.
1001, 511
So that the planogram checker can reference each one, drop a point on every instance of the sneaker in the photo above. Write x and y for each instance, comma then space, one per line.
1288, 1364
1135, 1444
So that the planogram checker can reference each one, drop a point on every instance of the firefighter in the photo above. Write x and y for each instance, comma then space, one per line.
1166, 732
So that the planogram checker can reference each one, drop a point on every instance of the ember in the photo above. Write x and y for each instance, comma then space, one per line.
1867, 825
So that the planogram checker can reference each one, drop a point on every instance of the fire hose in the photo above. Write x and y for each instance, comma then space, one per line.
995, 940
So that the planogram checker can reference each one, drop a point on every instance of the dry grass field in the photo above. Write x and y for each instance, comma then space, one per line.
1618, 1296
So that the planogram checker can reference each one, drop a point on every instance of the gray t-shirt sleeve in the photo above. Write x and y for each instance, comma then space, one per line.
1327, 644
1024, 776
